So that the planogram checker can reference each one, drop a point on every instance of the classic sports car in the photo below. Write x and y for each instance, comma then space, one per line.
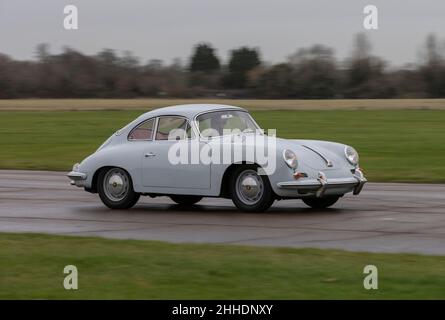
142, 159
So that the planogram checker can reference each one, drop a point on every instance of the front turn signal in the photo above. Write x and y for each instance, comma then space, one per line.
298, 175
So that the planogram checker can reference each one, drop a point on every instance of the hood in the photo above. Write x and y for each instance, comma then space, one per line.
317, 154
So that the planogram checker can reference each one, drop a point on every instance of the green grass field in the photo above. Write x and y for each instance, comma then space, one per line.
31, 267
394, 145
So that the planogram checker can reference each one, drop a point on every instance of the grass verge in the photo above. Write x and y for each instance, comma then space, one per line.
32, 265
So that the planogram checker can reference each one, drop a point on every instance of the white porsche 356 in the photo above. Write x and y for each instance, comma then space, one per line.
144, 158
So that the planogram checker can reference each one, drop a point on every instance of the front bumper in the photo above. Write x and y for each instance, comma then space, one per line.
77, 178
322, 186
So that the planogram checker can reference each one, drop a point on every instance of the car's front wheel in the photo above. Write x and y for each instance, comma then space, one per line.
115, 189
184, 200
250, 191
321, 203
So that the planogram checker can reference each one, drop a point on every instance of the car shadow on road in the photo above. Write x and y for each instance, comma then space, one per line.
208, 210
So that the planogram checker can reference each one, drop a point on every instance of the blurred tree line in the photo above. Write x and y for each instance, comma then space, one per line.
310, 73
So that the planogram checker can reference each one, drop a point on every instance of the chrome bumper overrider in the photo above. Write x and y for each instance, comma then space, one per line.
77, 178
321, 184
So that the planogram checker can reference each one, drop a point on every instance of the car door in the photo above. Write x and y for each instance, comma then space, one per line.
161, 169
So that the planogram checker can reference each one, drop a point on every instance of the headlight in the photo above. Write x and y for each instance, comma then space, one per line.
351, 155
76, 167
290, 158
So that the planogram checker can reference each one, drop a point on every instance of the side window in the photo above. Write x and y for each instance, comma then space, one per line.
172, 128
144, 131
204, 125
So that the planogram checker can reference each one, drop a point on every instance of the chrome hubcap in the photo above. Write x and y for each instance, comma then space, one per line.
249, 187
116, 184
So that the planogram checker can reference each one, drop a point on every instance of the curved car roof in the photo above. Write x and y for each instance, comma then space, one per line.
188, 110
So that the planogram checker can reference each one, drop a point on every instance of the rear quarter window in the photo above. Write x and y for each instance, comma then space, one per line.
143, 131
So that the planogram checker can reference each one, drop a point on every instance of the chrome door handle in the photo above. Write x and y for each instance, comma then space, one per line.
150, 154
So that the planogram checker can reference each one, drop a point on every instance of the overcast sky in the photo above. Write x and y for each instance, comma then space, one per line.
166, 29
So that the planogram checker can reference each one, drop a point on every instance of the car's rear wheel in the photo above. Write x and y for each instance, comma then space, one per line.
115, 189
185, 200
250, 191
321, 203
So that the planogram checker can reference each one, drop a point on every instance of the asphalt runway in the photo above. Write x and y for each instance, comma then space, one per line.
384, 218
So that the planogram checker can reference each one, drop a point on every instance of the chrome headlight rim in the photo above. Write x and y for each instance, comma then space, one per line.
292, 161
351, 155
76, 167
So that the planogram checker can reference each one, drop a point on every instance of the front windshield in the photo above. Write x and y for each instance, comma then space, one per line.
221, 123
